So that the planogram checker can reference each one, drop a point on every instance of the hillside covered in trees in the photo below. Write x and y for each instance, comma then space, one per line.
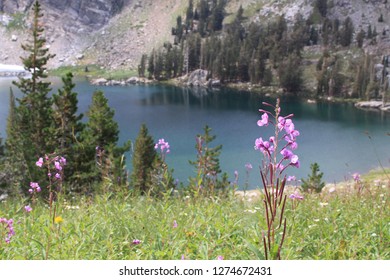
315, 54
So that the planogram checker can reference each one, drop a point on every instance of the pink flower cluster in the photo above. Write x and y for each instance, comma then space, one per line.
9, 227
164, 146
59, 163
296, 196
34, 187
286, 128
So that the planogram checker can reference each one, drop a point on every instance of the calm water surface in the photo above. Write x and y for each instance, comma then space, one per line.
333, 135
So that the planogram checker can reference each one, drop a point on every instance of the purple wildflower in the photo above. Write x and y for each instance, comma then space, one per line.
296, 196
27, 208
356, 177
174, 224
136, 242
39, 163
248, 166
264, 120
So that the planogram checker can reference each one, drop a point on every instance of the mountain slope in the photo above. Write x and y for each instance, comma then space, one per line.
115, 33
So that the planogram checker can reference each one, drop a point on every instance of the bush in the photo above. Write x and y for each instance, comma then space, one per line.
314, 181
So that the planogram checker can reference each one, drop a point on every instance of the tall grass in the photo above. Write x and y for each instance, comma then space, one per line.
339, 225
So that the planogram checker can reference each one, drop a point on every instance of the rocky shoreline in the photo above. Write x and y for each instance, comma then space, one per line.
373, 105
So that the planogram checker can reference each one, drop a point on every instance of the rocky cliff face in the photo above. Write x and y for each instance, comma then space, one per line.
91, 13
115, 33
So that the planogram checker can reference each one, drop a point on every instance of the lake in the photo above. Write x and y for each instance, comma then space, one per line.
333, 135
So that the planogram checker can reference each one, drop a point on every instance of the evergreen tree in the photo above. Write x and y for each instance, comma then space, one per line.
151, 65
290, 74
33, 116
360, 38
67, 123
314, 181
144, 158
189, 14
142, 66
322, 6
97, 155
218, 15
15, 167
207, 164
347, 31
35, 106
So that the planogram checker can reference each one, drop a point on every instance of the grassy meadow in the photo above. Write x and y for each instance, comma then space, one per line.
342, 222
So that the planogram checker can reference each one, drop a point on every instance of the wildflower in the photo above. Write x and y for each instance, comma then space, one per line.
220, 258
39, 163
58, 220
183, 257
136, 242
291, 178
295, 161
164, 146
9, 227
58, 176
264, 120
34, 187
263, 146
58, 165
27, 208
287, 154
296, 196
63, 161
174, 224
356, 177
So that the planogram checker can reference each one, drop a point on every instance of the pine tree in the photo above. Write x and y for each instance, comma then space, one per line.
97, 155
314, 181
207, 164
142, 66
67, 123
322, 7
16, 167
32, 116
347, 31
360, 38
35, 106
151, 64
290, 74
144, 158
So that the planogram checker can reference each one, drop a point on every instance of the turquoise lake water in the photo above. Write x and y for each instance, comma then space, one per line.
333, 135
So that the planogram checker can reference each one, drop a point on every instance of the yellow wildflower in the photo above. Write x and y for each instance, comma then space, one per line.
58, 220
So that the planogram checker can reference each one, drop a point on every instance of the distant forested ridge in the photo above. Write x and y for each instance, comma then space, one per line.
275, 52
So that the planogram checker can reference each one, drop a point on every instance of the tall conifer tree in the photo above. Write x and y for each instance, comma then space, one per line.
143, 159
32, 116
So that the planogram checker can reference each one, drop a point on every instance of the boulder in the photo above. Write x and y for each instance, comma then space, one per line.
99, 82
132, 80
198, 78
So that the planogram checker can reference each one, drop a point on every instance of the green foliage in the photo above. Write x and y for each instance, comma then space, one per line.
314, 180
32, 119
346, 32
322, 6
290, 74
207, 166
17, 22
144, 158
360, 38
97, 156
323, 227
142, 66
